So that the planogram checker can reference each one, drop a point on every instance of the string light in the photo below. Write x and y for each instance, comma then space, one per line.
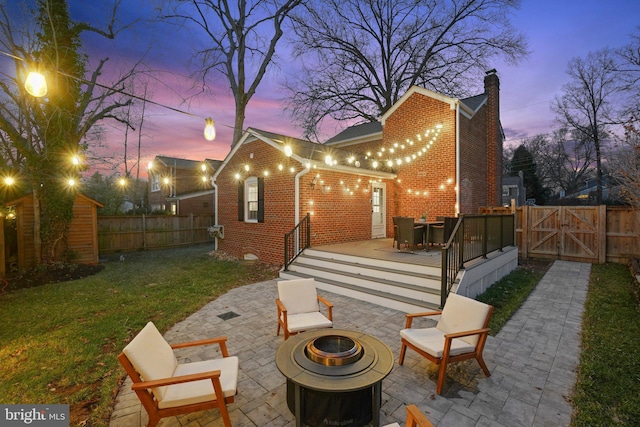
36, 85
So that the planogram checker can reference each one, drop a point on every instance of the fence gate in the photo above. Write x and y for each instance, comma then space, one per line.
575, 233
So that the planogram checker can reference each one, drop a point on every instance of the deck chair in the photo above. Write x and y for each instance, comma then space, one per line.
167, 388
395, 231
460, 334
415, 418
298, 308
409, 234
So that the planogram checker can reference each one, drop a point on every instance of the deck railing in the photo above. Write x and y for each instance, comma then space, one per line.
474, 236
297, 240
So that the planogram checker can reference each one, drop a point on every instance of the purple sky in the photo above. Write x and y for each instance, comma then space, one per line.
558, 30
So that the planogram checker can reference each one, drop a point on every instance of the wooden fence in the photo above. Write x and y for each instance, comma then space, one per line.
131, 233
595, 234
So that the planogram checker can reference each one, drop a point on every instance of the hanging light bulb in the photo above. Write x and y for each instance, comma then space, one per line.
209, 129
36, 84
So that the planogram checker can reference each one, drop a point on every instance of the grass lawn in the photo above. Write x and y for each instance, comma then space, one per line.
59, 342
607, 391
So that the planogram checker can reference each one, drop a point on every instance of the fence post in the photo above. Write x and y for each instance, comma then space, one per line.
193, 234
144, 232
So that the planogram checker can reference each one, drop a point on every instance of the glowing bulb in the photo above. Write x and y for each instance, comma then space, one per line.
75, 160
203, 167
9, 180
288, 151
236, 176
71, 182
204, 179
122, 182
36, 84
209, 129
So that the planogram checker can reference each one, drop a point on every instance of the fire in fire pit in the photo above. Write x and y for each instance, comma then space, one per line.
334, 377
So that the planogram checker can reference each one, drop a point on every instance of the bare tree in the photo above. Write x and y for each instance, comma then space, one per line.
586, 106
359, 57
627, 158
243, 38
569, 161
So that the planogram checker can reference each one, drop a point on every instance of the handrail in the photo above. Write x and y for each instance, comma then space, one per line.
474, 236
297, 240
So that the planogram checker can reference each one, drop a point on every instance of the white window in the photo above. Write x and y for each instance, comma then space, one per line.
251, 199
155, 182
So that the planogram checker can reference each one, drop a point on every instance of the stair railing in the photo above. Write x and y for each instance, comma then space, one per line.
297, 240
474, 236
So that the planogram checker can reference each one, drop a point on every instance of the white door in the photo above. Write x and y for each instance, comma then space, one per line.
378, 210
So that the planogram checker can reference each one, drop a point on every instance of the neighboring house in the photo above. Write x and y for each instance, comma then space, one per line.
513, 189
17, 248
181, 186
428, 154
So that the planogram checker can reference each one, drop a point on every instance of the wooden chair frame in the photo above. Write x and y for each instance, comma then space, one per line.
415, 417
446, 357
282, 316
143, 388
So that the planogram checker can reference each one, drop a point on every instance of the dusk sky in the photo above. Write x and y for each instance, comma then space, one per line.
557, 30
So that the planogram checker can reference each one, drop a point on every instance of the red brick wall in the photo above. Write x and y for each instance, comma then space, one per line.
426, 184
473, 163
494, 140
337, 215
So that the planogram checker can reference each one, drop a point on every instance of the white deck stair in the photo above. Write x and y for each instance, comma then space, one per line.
403, 287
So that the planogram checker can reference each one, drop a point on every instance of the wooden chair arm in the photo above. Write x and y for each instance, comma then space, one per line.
329, 307
206, 341
177, 380
461, 334
221, 341
281, 306
411, 316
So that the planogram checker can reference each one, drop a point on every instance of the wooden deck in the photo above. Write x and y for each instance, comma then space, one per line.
384, 250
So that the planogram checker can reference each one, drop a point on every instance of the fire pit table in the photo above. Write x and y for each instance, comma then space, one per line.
334, 377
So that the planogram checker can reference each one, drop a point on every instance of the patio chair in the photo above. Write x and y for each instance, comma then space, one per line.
409, 234
415, 418
460, 334
167, 388
298, 307
395, 231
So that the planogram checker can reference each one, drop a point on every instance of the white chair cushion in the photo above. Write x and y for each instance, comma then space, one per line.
151, 356
298, 295
431, 340
201, 391
306, 321
463, 314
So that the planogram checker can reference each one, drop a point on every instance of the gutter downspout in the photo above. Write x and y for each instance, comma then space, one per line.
458, 158
297, 194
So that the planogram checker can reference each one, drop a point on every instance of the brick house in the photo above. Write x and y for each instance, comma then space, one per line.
428, 154
181, 186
